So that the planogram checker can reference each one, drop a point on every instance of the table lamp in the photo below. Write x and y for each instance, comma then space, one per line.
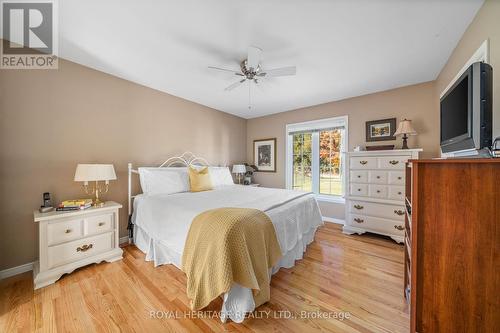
405, 129
95, 172
239, 169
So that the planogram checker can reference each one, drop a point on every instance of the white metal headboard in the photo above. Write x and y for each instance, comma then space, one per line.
185, 160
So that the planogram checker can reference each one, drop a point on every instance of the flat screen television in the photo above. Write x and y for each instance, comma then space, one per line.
466, 112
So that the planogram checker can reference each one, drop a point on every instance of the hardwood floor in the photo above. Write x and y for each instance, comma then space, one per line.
361, 275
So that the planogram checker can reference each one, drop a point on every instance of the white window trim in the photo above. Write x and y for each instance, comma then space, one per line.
317, 125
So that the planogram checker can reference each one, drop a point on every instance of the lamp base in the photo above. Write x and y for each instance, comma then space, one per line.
96, 202
405, 142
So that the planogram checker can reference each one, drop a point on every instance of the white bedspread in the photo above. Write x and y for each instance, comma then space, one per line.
162, 224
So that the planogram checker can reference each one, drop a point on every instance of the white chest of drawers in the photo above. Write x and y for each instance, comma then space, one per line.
376, 192
69, 240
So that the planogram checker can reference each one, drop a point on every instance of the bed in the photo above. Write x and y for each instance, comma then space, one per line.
160, 221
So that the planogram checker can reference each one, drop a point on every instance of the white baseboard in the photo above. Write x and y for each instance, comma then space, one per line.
123, 240
16, 270
333, 220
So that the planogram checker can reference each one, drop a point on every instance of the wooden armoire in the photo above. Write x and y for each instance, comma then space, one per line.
452, 245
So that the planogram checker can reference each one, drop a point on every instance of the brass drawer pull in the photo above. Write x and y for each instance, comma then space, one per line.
363, 162
399, 212
393, 162
359, 176
359, 190
101, 224
400, 193
399, 227
378, 177
378, 191
68, 231
358, 220
399, 178
84, 248
358, 207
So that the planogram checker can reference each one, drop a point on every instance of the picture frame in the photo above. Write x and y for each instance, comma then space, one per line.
264, 154
381, 130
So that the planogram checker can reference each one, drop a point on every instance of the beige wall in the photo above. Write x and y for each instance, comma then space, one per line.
414, 102
486, 25
50, 120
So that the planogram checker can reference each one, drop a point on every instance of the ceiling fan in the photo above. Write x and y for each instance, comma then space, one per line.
251, 70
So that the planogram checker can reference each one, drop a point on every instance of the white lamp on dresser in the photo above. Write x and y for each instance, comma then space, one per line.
376, 192
72, 239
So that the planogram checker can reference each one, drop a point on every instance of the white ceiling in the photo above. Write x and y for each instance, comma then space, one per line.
341, 48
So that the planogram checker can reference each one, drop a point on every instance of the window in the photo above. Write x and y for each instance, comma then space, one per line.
315, 157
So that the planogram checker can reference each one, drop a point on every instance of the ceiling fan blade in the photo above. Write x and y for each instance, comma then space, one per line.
283, 71
226, 70
234, 85
254, 57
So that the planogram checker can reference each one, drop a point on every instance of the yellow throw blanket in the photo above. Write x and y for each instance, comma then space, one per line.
226, 246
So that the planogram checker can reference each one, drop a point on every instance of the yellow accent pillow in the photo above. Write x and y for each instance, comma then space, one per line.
199, 180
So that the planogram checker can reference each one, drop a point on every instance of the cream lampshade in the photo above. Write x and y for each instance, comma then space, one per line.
95, 172
405, 129
239, 169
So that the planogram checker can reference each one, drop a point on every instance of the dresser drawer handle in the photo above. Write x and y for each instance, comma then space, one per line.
358, 220
399, 227
84, 248
399, 212
363, 162
399, 193
101, 224
359, 190
68, 231
378, 177
359, 176
358, 207
399, 178
393, 162
378, 191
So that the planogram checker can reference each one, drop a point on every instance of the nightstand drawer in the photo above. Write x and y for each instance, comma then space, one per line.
98, 224
64, 231
79, 249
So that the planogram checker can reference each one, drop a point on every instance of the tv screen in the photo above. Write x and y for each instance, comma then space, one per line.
455, 111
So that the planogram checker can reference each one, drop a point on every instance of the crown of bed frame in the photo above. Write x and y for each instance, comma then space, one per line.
185, 160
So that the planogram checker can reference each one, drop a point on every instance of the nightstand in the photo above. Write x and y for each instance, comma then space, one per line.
69, 240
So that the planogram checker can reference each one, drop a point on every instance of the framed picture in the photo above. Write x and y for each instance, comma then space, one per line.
380, 130
264, 154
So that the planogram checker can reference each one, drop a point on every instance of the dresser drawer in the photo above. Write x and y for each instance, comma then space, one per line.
377, 191
359, 190
377, 210
396, 193
359, 176
392, 162
79, 249
377, 177
64, 231
98, 224
363, 162
376, 224
396, 177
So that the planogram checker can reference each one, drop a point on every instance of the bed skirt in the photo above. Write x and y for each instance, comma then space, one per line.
239, 300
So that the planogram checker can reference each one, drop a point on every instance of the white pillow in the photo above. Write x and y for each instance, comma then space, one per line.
220, 176
163, 180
